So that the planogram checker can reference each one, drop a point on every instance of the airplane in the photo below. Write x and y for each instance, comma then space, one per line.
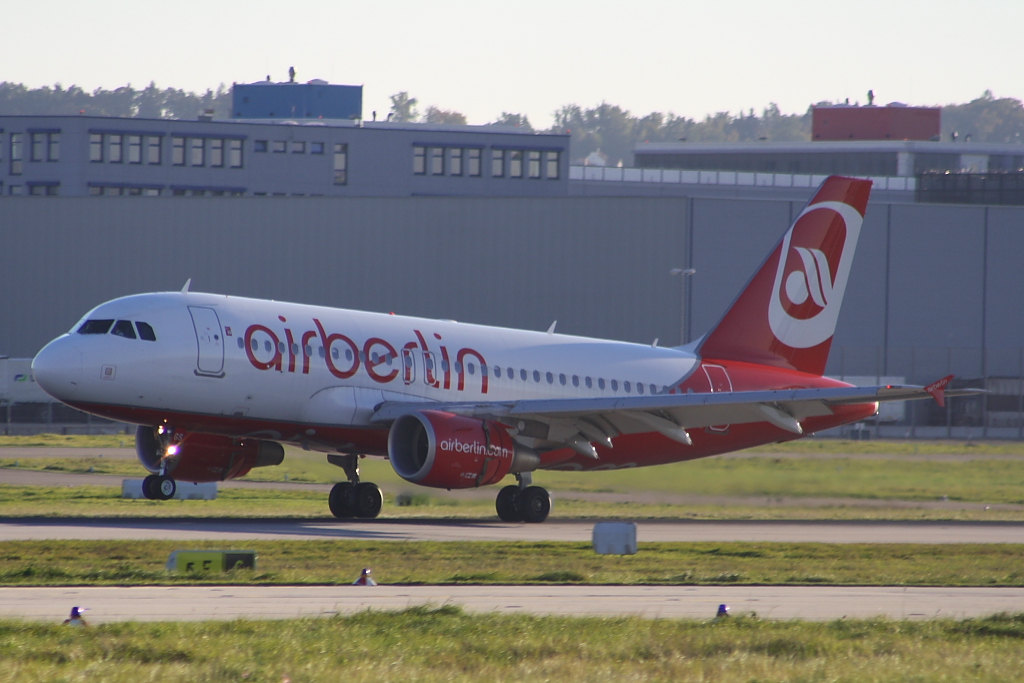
216, 383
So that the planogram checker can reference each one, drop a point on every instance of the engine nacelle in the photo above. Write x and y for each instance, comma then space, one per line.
200, 457
446, 451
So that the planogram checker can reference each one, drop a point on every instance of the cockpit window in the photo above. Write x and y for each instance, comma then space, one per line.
123, 328
95, 327
146, 331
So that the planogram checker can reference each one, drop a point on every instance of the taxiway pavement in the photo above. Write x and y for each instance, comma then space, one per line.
196, 603
493, 530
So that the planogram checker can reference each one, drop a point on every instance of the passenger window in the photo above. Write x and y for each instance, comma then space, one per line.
254, 344
536, 375
511, 373
561, 380
590, 383
522, 374
323, 354
334, 353
600, 383
654, 389
471, 368
615, 385
308, 350
639, 388
550, 378
625, 385
146, 333
270, 347
241, 343
123, 328
575, 380
95, 327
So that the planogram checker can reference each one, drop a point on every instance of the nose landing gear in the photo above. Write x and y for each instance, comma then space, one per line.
353, 498
523, 502
159, 487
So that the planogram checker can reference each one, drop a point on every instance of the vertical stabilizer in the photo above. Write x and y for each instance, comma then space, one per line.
786, 316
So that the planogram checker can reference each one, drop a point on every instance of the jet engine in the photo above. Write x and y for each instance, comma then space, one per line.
197, 457
442, 450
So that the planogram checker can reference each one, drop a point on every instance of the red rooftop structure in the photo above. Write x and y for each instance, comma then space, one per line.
891, 122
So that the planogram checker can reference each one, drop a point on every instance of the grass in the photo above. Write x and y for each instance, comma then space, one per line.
96, 502
445, 643
980, 481
141, 562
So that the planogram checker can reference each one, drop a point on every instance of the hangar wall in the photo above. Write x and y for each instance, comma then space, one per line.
931, 285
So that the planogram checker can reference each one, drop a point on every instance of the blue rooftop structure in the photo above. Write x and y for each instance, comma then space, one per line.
313, 100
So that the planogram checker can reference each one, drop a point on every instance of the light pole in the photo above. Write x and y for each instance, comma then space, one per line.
683, 274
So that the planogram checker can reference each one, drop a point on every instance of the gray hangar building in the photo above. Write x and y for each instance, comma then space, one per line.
487, 225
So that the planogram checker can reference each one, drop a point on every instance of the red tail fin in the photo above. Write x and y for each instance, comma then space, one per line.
787, 313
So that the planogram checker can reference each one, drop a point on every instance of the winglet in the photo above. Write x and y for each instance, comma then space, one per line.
184, 290
551, 330
938, 390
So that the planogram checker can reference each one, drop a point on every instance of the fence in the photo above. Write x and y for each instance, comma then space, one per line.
674, 176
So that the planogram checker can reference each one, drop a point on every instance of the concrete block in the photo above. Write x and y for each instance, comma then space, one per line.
132, 488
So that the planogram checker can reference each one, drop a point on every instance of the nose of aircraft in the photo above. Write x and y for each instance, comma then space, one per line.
57, 368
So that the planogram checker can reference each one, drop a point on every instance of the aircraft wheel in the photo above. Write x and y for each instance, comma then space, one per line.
507, 504
148, 487
534, 504
367, 500
340, 500
164, 487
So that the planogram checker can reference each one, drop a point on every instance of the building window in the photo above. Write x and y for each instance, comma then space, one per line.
134, 149
473, 163
340, 163
259, 146
533, 164
44, 190
154, 149
515, 164
36, 151
114, 151
95, 148
235, 153
419, 160
16, 154
178, 151
216, 152
151, 192
551, 173
316, 148
95, 191
298, 147
497, 163
198, 147
455, 162
437, 161
53, 150
279, 147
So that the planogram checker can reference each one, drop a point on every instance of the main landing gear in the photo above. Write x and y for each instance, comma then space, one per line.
353, 498
523, 502
159, 487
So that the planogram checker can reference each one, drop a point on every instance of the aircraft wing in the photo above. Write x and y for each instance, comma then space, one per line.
672, 414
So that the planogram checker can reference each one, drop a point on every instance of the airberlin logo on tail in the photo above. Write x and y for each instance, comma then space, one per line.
810, 280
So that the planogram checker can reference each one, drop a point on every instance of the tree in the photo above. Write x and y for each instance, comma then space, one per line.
985, 119
403, 107
513, 121
443, 116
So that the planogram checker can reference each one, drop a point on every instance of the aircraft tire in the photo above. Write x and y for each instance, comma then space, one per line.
164, 487
507, 504
148, 487
368, 500
340, 500
534, 504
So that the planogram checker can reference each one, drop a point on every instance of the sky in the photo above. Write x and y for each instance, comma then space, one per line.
482, 58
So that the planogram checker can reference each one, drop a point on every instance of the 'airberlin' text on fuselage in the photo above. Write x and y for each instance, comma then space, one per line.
267, 349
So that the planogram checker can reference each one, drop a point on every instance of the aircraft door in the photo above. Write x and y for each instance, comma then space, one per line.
210, 341
719, 379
